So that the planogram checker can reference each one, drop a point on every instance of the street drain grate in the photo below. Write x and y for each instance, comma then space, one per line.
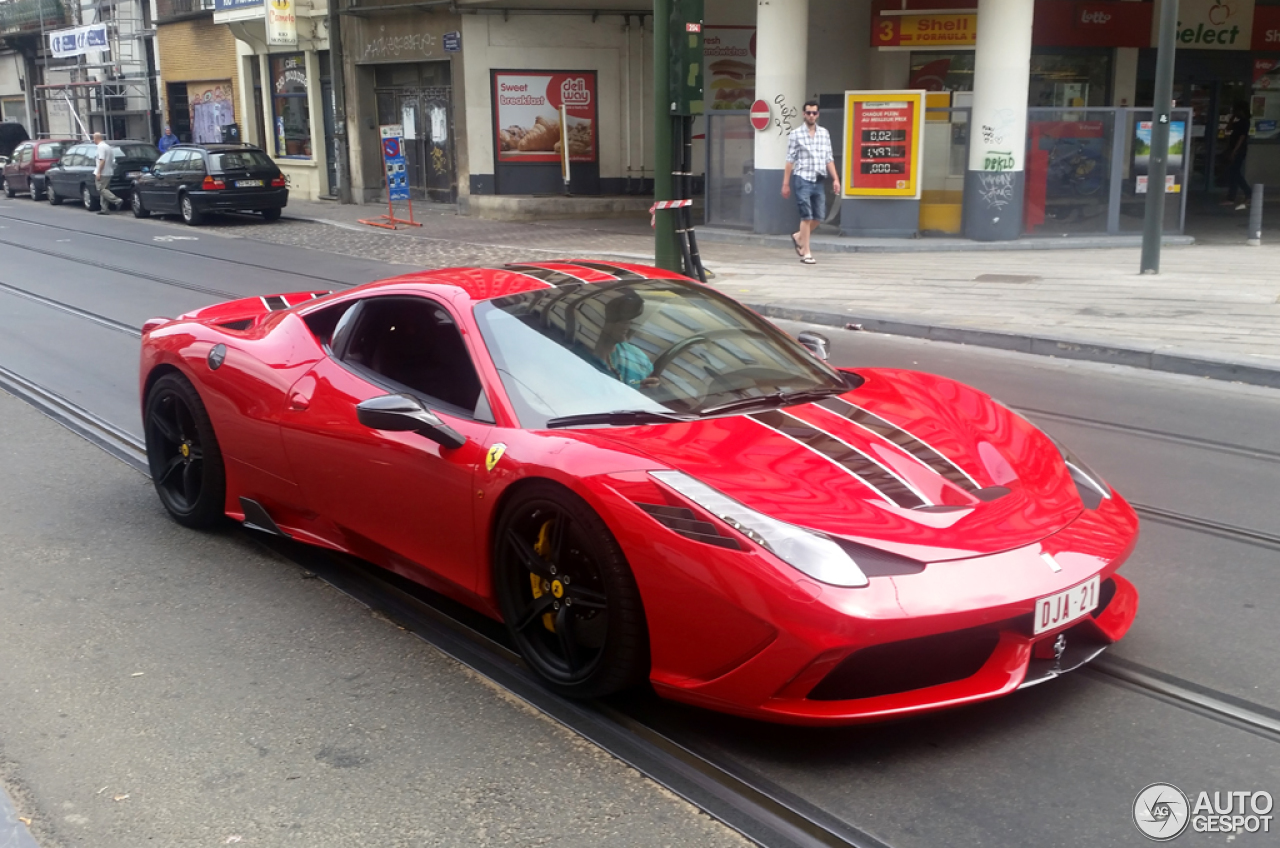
1005, 278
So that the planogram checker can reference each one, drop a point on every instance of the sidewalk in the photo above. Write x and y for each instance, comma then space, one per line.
1213, 311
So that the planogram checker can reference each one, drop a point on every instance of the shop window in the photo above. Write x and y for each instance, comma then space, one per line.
1063, 79
289, 106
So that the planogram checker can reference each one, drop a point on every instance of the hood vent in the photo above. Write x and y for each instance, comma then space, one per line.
686, 523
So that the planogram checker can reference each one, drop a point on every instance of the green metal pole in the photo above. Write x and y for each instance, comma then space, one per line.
1161, 107
666, 248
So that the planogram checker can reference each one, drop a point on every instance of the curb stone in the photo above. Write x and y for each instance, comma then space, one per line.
1093, 351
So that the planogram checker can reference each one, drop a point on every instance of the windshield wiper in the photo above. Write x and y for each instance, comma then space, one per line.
618, 417
773, 400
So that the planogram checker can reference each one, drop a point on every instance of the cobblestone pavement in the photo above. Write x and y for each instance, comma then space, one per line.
1219, 301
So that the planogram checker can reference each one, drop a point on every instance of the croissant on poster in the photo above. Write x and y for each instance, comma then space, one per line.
542, 136
579, 139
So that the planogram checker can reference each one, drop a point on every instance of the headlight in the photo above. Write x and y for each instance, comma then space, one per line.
814, 554
1093, 489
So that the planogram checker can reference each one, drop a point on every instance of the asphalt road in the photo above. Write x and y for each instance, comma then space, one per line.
218, 693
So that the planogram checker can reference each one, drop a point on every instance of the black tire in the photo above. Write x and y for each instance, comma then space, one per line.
37, 190
595, 640
86, 197
271, 215
8, 192
135, 203
182, 450
52, 196
191, 216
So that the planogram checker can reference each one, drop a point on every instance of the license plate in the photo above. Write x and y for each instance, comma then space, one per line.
248, 183
1054, 611
133, 175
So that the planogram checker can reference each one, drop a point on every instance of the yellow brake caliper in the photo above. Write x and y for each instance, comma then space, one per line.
543, 548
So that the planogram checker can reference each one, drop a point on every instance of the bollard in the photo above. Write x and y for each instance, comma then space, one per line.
1255, 217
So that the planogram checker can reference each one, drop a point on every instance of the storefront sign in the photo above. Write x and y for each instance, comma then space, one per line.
233, 5
925, 31
1266, 28
526, 107
1061, 23
393, 159
1209, 24
282, 23
77, 41
730, 54
884, 131
291, 74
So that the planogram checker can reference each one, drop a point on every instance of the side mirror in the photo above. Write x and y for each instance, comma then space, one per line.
406, 414
816, 343
146, 169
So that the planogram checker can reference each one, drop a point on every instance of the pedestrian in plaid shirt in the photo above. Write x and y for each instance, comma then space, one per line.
809, 157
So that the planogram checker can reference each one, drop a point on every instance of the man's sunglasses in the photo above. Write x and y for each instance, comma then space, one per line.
811, 111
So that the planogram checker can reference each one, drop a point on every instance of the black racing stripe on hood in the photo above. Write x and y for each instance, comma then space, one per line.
547, 275
852, 460
275, 302
613, 270
924, 452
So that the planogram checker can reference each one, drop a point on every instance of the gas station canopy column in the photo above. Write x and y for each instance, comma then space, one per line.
782, 50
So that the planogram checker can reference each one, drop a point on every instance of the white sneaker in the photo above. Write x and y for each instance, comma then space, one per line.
1241, 206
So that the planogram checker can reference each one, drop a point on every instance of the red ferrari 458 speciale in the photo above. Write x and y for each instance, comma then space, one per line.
646, 480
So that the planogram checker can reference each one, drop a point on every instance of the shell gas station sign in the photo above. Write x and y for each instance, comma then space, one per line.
940, 30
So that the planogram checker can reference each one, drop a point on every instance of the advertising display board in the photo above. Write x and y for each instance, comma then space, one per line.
884, 131
526, 107
78, 41
393, 159
1142, 155
282, 23
730, 54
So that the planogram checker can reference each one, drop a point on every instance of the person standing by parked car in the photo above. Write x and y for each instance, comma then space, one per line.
167, 140
104, 167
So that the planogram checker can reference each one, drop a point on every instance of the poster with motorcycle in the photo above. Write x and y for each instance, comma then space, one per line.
526, 113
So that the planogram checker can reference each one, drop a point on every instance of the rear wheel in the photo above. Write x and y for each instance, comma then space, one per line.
135, 203
52, 196
8, 192
86, 197
271, 214
190, 214
183, 453
567, 594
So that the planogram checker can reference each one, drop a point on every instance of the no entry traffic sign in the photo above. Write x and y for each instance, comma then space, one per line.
760, 115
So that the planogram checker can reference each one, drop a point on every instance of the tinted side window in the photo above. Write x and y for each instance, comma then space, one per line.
414, 342
49, 151
196, 162
24, 155
167, 159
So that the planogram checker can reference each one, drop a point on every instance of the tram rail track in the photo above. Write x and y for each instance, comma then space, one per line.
735, 795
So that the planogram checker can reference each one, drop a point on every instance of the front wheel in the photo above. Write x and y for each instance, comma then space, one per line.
190, 214
37, 190
135, 203
86, 197
567, 595
183, 453
52, 196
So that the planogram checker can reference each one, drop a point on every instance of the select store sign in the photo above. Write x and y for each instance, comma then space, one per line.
883, 134
526, 111
1209, 24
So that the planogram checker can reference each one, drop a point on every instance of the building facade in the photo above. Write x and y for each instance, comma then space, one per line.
199, 74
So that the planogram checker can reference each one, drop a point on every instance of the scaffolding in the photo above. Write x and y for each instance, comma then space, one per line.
115, 95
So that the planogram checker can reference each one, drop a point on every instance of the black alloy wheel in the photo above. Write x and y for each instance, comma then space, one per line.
190, 214
183, 453
8, 192
135, 203
51, 195
567, 595
86, 197
270, 215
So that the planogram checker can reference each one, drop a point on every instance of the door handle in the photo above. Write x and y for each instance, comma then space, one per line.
299, 402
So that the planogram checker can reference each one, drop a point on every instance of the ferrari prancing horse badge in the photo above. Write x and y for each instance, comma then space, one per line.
495, 454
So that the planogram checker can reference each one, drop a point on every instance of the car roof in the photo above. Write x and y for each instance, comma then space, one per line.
484, 283
214, 147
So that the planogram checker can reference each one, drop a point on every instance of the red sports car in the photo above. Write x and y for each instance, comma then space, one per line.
644, 479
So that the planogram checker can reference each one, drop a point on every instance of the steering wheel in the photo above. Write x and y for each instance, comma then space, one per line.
667, 356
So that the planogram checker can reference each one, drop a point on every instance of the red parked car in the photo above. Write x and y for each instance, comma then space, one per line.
25, 172
647, 481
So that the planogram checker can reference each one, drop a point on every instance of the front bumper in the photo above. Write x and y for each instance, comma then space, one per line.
741, 632
235, 200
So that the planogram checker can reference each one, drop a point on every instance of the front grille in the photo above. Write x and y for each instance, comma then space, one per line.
907, 665
686, 523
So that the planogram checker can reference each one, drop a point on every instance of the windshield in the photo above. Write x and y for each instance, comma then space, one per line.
239, 160
662, 346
